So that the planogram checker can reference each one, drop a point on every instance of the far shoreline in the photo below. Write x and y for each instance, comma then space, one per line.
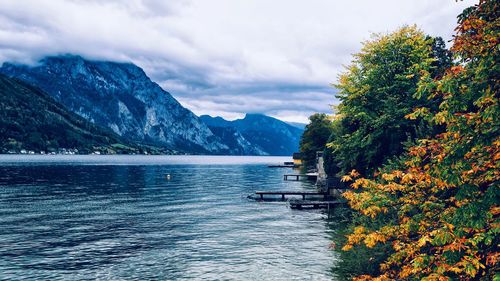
127, 159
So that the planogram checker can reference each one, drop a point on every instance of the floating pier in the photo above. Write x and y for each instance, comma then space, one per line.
297, 177
308, 204
325, 202
283, 194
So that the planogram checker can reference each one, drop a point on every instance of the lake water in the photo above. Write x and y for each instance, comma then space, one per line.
120, 218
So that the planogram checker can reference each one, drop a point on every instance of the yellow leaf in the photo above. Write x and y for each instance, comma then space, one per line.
346, 178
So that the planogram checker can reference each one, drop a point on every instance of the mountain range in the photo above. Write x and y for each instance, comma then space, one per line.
30, 119
121, 97
270, 135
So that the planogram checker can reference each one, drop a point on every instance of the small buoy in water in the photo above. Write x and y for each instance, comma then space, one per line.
168, 176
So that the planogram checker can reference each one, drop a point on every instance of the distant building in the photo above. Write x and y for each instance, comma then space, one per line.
297, 159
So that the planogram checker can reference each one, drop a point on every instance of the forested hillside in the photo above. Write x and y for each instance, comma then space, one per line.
31, 120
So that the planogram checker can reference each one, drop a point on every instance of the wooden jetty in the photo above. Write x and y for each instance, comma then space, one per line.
297, 177
309, 204
325, 202
284, 165
283, 194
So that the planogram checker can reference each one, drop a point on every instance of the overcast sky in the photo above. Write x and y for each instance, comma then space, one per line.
221, 57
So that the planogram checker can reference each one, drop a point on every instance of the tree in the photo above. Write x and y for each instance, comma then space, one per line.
377, 90
315, 136
330, 162
445, 198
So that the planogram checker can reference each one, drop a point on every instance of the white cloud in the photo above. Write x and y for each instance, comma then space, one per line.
257, 51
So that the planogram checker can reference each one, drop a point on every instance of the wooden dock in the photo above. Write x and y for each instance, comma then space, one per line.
309, 204
283, 194
325, 202
284, 165
297, 177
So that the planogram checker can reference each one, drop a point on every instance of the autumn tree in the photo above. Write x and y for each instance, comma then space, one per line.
377, 90
444, 199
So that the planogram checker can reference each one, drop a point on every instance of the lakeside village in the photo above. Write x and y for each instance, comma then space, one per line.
65, 151
62, 151
112, 149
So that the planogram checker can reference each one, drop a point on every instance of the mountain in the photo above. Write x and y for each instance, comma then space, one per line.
31, 120
231, 136
268, 134
119, 96
237, 143
216, 121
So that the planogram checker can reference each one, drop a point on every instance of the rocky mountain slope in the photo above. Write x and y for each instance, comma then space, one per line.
121, 97
237, 143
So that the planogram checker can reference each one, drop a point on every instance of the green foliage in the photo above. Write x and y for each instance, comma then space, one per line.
443, 57
330, 163
377, 91
315, 137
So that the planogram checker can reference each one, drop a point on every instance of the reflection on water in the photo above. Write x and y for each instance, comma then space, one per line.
120, 218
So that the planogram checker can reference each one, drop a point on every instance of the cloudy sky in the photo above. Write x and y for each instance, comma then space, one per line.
221, 57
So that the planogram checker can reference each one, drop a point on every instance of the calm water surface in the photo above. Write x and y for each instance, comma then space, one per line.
120, 218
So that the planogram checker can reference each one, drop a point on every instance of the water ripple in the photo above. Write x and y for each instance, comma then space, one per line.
119, 218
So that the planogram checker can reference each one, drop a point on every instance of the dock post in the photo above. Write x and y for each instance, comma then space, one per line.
283, 197
261, 196
303, 197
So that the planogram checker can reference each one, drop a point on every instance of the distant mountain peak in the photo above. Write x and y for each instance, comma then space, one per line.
216, 121
249, 115
269, 134
68, 57
257, 116
301, 126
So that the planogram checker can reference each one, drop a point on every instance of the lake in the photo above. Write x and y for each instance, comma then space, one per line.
79, 217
